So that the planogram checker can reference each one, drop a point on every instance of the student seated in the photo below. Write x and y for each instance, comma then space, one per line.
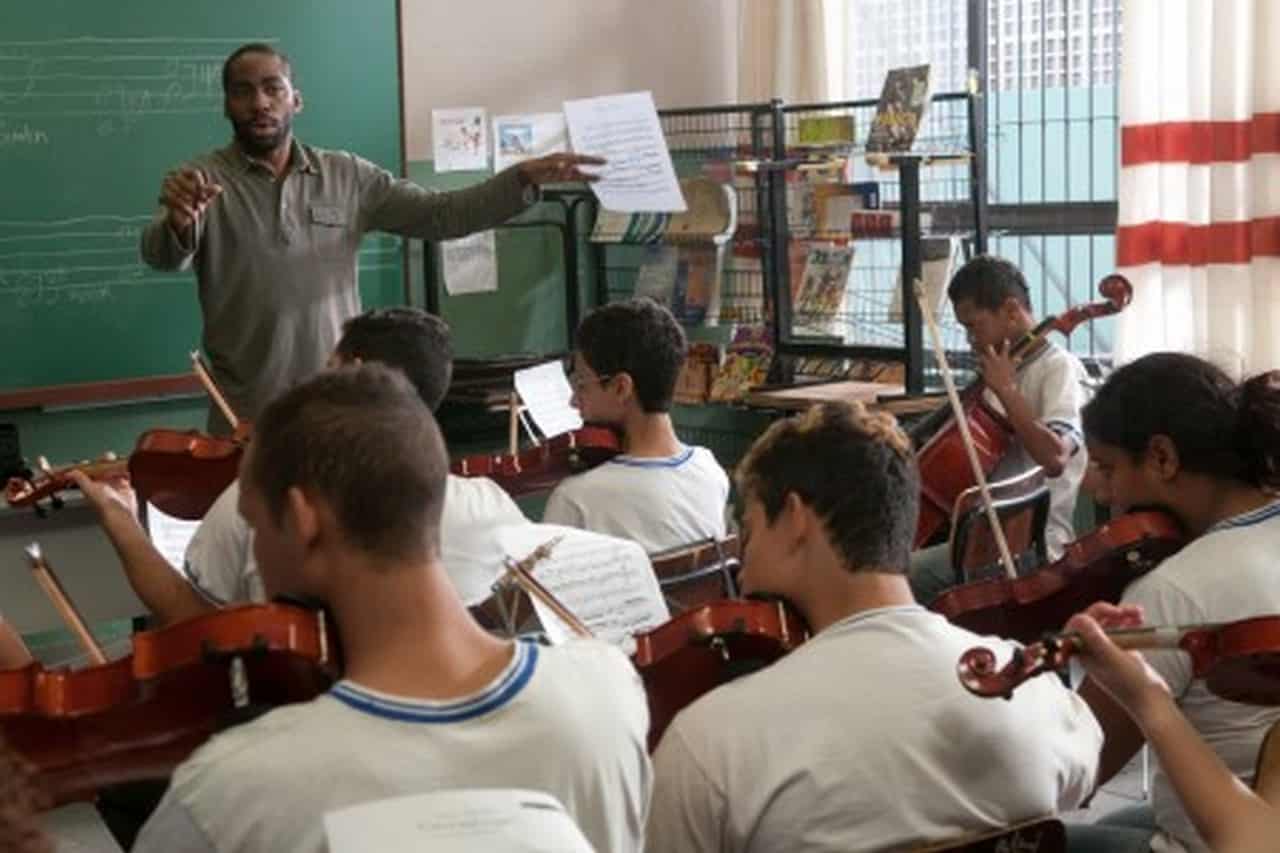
220, 569
429, 700
1041, 396
863, 737
1227, 815
660, 492
1173, 432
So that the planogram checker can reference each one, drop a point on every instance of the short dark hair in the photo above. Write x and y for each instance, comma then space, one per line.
1221, 428
987, 281
854, 468
254, 47
638, 337
417, 343
361, 439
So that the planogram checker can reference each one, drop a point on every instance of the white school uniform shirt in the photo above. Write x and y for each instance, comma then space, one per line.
568, 720
1232, 572
1053, 384
220, 565
864, 739
661, 503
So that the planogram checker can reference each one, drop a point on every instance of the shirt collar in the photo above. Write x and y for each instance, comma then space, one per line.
299, 158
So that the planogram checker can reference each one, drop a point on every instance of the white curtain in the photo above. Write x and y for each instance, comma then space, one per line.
1199, 194
782, 51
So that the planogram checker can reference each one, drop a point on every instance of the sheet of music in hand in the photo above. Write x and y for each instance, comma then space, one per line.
463, 821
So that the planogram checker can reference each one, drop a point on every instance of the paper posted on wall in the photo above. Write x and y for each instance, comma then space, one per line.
470, 264
457, 821
624, 129
459, 139
521, 137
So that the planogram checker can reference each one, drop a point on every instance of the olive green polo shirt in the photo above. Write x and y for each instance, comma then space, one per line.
275, 258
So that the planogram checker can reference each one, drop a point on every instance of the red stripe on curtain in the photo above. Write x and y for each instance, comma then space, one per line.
1200, 141
1180, 244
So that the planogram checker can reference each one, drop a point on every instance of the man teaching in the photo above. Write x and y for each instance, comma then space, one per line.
272, 228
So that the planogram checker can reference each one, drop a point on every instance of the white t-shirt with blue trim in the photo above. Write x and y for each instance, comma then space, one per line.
1053, 384
1232, 572
863, 738
661, 503
569, 720
219, 561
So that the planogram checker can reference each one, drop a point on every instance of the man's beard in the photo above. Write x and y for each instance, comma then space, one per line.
257, 145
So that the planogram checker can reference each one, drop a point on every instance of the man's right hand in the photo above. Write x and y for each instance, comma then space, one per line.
187, 193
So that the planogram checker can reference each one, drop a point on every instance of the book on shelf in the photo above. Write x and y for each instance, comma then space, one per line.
710, 215
685, 278
823, 290
825, 132
693, 384
745, 365
900, 111
835, 203
742, 283
695, 298
938, 256
656, 277
886, 222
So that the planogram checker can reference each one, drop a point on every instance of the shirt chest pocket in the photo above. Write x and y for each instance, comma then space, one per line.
329, 228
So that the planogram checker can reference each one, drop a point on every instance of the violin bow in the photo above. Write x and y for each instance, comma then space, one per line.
62, 603
202, 373
935, 335
520, 572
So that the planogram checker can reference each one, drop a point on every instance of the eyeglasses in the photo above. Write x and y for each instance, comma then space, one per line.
577, 383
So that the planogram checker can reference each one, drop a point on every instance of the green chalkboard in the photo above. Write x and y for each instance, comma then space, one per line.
97, 101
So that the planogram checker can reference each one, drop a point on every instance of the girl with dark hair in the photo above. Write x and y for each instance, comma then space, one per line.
1173, 431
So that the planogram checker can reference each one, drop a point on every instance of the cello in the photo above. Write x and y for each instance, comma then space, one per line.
1239, 661
944, 470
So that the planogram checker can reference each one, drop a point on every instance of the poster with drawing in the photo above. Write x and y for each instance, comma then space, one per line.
460, 139
521, 137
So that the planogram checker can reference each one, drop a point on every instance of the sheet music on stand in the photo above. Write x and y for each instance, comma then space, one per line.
170, 535
607, 582
545, 392
458, 821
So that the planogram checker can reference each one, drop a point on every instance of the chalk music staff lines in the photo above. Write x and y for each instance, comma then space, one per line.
86, 259
109, 83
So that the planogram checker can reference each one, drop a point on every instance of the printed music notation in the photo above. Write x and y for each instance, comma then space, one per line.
607, 583
624, 129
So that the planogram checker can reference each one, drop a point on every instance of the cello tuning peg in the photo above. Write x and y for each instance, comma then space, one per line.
56, 502
42, 465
